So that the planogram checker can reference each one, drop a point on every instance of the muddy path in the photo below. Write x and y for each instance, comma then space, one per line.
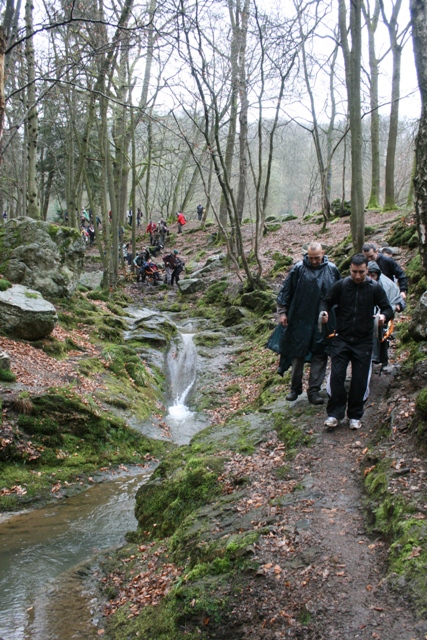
322, 574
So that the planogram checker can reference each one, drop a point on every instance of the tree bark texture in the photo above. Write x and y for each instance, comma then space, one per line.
419, 37
352, 60
372, 22
32, 119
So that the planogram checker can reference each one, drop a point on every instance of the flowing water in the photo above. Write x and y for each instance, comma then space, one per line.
182, 373
43, 552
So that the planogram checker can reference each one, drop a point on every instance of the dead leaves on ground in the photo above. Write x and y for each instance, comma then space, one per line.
148, 587
36, 369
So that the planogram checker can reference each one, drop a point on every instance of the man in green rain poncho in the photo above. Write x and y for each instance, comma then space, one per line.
298, 308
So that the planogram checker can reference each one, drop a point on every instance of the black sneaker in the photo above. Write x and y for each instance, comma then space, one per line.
315, 398
292, 395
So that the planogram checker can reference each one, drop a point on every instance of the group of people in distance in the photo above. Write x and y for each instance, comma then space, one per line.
143, 262
323, 314
173, 264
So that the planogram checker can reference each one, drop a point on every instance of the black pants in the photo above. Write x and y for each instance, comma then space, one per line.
359, 354
317, 373
175, 275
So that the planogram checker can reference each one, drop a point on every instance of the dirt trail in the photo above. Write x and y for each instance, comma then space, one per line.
324, 576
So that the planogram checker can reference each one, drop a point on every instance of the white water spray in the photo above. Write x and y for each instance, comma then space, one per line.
182, 365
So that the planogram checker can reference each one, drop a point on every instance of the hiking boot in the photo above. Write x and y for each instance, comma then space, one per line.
292, 395
315, 398
355, 423
331, 422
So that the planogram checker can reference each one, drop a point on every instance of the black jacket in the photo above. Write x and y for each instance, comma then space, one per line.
392, 269
299, 297
355, 305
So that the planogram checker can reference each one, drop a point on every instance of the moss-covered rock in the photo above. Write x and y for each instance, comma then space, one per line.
404, 233
41, 256
281, 264
215, 292
259, 301
162, 506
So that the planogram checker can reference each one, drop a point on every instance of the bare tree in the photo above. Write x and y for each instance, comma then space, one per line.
397, 40
372, 24
352, 61
419, 37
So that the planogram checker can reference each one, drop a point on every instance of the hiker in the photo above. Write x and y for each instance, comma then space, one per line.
177, 269
355, 298
180, 218
151, 230
163, 231
91, 232
298, 307
200, 210
154, 251
169, 262
391, 289
138, 217
84, 235
127, 253
389, 267
138, 263
381, 342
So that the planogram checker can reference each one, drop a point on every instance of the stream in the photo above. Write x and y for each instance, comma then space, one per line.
44, 552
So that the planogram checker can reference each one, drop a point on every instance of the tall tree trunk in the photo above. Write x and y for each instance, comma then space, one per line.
2, 98
372, 24
234, 10
243, 114
389, 196
352, 62
419, 37
46, 194
32, 119
396, 48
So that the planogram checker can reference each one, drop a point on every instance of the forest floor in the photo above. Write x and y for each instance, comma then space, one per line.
323, 572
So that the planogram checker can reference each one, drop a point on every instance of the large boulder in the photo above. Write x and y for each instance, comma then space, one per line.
191, 285
91, 279
24, 313
418, 325
40, 255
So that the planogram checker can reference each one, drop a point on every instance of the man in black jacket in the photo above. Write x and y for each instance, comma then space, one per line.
389, 267
354, 299
298, 308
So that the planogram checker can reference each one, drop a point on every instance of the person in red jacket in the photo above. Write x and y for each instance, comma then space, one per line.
180, 218
151, 230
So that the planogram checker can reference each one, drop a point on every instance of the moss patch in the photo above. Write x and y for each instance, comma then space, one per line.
4, 284
6, 375
391, 515
64, 437
281, 264
161, 507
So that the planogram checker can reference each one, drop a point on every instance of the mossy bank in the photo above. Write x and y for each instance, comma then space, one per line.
54, 439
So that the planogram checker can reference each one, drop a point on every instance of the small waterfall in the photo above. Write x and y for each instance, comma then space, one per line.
182, 374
